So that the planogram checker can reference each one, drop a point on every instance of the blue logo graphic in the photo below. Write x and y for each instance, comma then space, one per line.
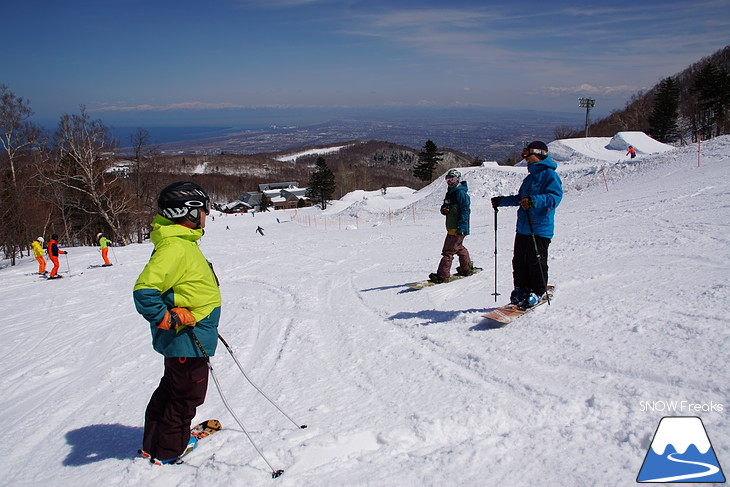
681, 452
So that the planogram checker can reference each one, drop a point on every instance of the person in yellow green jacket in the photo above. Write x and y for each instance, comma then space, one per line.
38, 254
178, 294
104, 247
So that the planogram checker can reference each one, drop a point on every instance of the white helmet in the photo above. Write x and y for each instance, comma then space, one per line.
40, 239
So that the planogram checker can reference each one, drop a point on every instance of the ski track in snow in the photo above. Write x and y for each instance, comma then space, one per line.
398, 388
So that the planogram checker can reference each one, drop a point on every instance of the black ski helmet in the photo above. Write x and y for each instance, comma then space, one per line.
537, 147
183, 199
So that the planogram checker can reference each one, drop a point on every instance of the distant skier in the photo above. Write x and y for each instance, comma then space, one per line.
456, 208
104, 247
38, 254
538, 197
260, 231
53, 253
178, 289
631, 152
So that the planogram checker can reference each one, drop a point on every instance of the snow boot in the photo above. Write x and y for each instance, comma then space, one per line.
530, 299
433, 277
516, 296
466, 272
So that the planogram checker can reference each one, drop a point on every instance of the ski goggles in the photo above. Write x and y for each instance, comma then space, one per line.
452, 179
527, 152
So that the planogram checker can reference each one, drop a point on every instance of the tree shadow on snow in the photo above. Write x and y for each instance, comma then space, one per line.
431, 316
102, 441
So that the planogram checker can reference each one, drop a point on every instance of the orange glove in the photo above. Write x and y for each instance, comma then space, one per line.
177, 318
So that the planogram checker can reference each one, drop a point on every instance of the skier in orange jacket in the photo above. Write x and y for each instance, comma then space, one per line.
53, 253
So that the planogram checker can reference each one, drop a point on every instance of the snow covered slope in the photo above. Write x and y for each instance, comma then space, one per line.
398, 388
610, 149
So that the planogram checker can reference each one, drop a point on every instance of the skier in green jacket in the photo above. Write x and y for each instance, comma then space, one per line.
104, 247
178, 294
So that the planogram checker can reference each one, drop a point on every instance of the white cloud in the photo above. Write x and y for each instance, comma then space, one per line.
588, 89
193, 105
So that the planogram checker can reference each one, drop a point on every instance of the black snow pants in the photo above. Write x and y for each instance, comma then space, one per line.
526, 267
172, 406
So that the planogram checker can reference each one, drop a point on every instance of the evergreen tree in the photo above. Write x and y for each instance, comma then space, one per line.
321, 184
428, 160
663, 124
711, 85
265, 203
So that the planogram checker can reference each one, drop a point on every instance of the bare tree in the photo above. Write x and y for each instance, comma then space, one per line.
17, 137
16, 132
82, 164
143, 177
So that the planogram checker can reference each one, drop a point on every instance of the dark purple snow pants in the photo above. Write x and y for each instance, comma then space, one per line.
172, 406
453, 245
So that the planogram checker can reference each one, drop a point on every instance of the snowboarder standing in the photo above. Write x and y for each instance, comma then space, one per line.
631, 152
456, 208
53, 253
104, 247
38, 254
178, 289
538, 197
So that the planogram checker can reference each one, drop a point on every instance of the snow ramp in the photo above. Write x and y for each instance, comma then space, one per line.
611, 149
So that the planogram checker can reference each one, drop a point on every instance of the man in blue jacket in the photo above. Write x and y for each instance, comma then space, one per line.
456, 208
538, 197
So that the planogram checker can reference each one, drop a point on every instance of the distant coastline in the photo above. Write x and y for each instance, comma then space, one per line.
488, 133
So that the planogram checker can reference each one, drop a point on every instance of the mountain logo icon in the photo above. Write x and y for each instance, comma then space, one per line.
680, 452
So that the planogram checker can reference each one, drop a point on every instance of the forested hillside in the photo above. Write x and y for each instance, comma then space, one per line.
703, 104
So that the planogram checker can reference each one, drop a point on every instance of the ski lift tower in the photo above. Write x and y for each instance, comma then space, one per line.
587, 103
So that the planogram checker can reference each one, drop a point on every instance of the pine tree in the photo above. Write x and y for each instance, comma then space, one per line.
428, 160
265, 203
321, 184
663, 124
711, 85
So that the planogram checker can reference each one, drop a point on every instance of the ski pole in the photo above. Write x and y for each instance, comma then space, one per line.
274, 473
537, 255
114, 254
68, 266
495, 293
235, 359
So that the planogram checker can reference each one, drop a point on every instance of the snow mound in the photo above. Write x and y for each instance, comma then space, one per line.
609, 149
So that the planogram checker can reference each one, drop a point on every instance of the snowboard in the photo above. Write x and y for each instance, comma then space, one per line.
429, 283
197, 433
510, 312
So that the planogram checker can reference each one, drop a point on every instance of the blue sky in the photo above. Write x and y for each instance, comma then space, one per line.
129, 59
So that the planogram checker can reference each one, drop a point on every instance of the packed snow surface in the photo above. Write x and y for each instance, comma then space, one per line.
400, 388
610, 149
311, 152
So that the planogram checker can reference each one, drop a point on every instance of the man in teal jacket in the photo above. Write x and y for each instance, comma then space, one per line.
457, 209
538, 197
178, 294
